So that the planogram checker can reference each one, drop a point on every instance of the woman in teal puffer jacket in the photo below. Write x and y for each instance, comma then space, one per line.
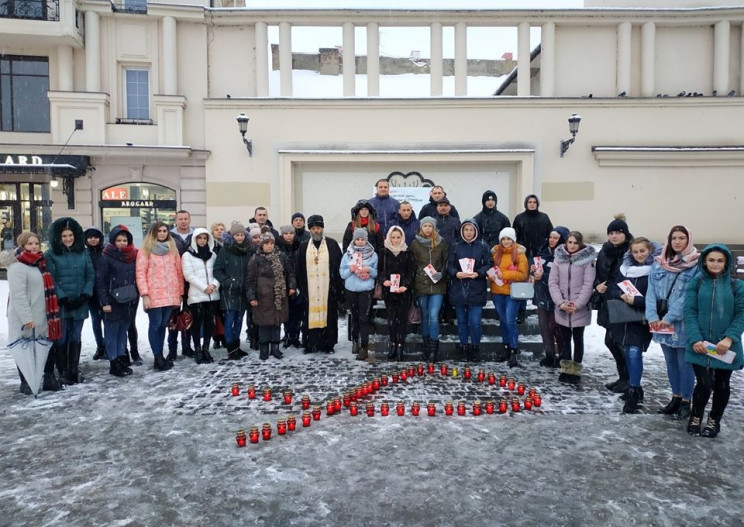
714, 322
74, 279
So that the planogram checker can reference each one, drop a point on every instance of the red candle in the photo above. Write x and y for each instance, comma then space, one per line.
443, 369
254, 434
240, 438
266, 432
502, 406
502, 380
370, 409
235, 392
431, 409
305, 402
291, 423
288, 397
368, 387
403, 376
384, 380
448, 408
384, 409
353, 410
330, 408
477, 408
347, 399
316, 413
466, 374
337, 404
395, 378
305, 418
430, 368
420, 370
528, 403
520, 388
481, 376
532, 392
375, 384
267, 394
515, 405
251, 392
510, 385
400, 408
281, 427
461, 408
359, 392
415, 409
365, 389
537, 400
489, 407
491, 378
411, 370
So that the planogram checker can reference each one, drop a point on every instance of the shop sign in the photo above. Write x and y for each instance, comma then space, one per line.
22, 160
115, 193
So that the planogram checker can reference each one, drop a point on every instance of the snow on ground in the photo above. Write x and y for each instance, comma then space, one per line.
158, 449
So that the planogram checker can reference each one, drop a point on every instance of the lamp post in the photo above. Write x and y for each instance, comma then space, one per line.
573, 127
243, 127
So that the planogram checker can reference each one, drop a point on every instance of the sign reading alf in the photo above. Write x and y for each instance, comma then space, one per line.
23, 160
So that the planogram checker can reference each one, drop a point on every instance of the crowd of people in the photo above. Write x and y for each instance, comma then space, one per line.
199, 284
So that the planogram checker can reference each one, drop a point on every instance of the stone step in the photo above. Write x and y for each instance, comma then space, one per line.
529, 347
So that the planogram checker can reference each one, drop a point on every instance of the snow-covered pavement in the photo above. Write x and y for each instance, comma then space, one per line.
159, 449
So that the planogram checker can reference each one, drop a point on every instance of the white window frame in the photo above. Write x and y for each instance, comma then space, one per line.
125, 93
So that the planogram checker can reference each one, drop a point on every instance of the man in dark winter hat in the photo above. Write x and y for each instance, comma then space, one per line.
385, 205
430, 209
447, 225
321, 287
490, 221
298, 222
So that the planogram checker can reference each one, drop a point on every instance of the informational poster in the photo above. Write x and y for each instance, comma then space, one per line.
416, 196
134, 224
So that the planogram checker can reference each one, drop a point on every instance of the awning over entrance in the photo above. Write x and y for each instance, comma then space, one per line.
66, 167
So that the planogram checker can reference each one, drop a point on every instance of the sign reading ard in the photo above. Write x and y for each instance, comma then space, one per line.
22, 160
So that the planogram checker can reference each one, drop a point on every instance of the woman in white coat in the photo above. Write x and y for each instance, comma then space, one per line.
203, 297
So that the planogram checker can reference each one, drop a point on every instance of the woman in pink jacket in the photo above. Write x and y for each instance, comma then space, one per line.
571, 287
160, 284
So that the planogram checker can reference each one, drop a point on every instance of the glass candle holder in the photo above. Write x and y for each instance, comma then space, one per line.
267, 394
490, 407
411, 370
430, 368
251, 392
528, 403
400, 408
448, 408
515, 405
510, 385
384, 409
431, 409
240, 438
235, 390
306, 418
291, 423
281, 427
467, 373
403, 376
477, 408
370, 409
502, 406
420, 370
481, 375
461, 408
254, 434
337, 404
316, 413
415, 408
266, 431
520, 388
443, 370
330, 408
383, 380
396, 377
347, 399
305, 402
353, 409
502, 381
375, 384
288, 397
491, 378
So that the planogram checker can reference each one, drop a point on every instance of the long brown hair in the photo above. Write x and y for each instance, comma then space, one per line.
151, 239
669, 253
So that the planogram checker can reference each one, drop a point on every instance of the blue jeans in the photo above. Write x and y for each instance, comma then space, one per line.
96, 318
634, 357
680, 373
158, 324
116, 332
469, 323
71, 330
233, 325
430, 306
507, 309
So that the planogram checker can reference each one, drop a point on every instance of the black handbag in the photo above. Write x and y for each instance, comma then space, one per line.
621, 312
662, 304
125, 294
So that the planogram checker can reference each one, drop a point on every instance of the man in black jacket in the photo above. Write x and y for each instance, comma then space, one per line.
181, 233
447, 225
490, 221
533, 228
430, 209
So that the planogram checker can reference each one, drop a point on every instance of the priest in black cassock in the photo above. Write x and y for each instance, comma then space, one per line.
320, 284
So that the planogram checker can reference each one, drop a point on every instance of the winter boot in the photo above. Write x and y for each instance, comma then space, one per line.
275, 350
363, 351
73, 358
620, 387
172, 356
25, 389
502, 353
136, 359
433, 350
693, 425
514, 358
631, 404
61, 353
673, 406
611, 385
547, 361
100, 351
712, 427
161, 363
392, 349
566, 370
355, 346
233, 351
683, 413
474, 353
51, 382
198, 354
206, 357
285, 341
263, 350
115, 368
253, 343
126, 369
461, 352
425, 348
125, 360
399, 350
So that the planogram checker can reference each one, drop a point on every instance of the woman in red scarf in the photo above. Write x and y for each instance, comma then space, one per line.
33, 307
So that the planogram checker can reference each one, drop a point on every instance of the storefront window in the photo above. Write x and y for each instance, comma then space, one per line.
137, 205
32, 212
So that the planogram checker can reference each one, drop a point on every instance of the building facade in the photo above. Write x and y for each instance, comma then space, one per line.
131, 109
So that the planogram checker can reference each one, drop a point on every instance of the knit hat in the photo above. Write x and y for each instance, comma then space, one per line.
443, 200
619, 225
255, 231
316, 220
489, 194
267, 237
428, 219
508, 232
286, 229
236, 227
361, 233
298, 215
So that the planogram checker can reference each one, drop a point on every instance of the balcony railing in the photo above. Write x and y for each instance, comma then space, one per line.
30, 9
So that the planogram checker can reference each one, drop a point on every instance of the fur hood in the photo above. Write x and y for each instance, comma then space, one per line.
55, 235
7, 258
210, 240
120, 229
629, 261
581, 257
